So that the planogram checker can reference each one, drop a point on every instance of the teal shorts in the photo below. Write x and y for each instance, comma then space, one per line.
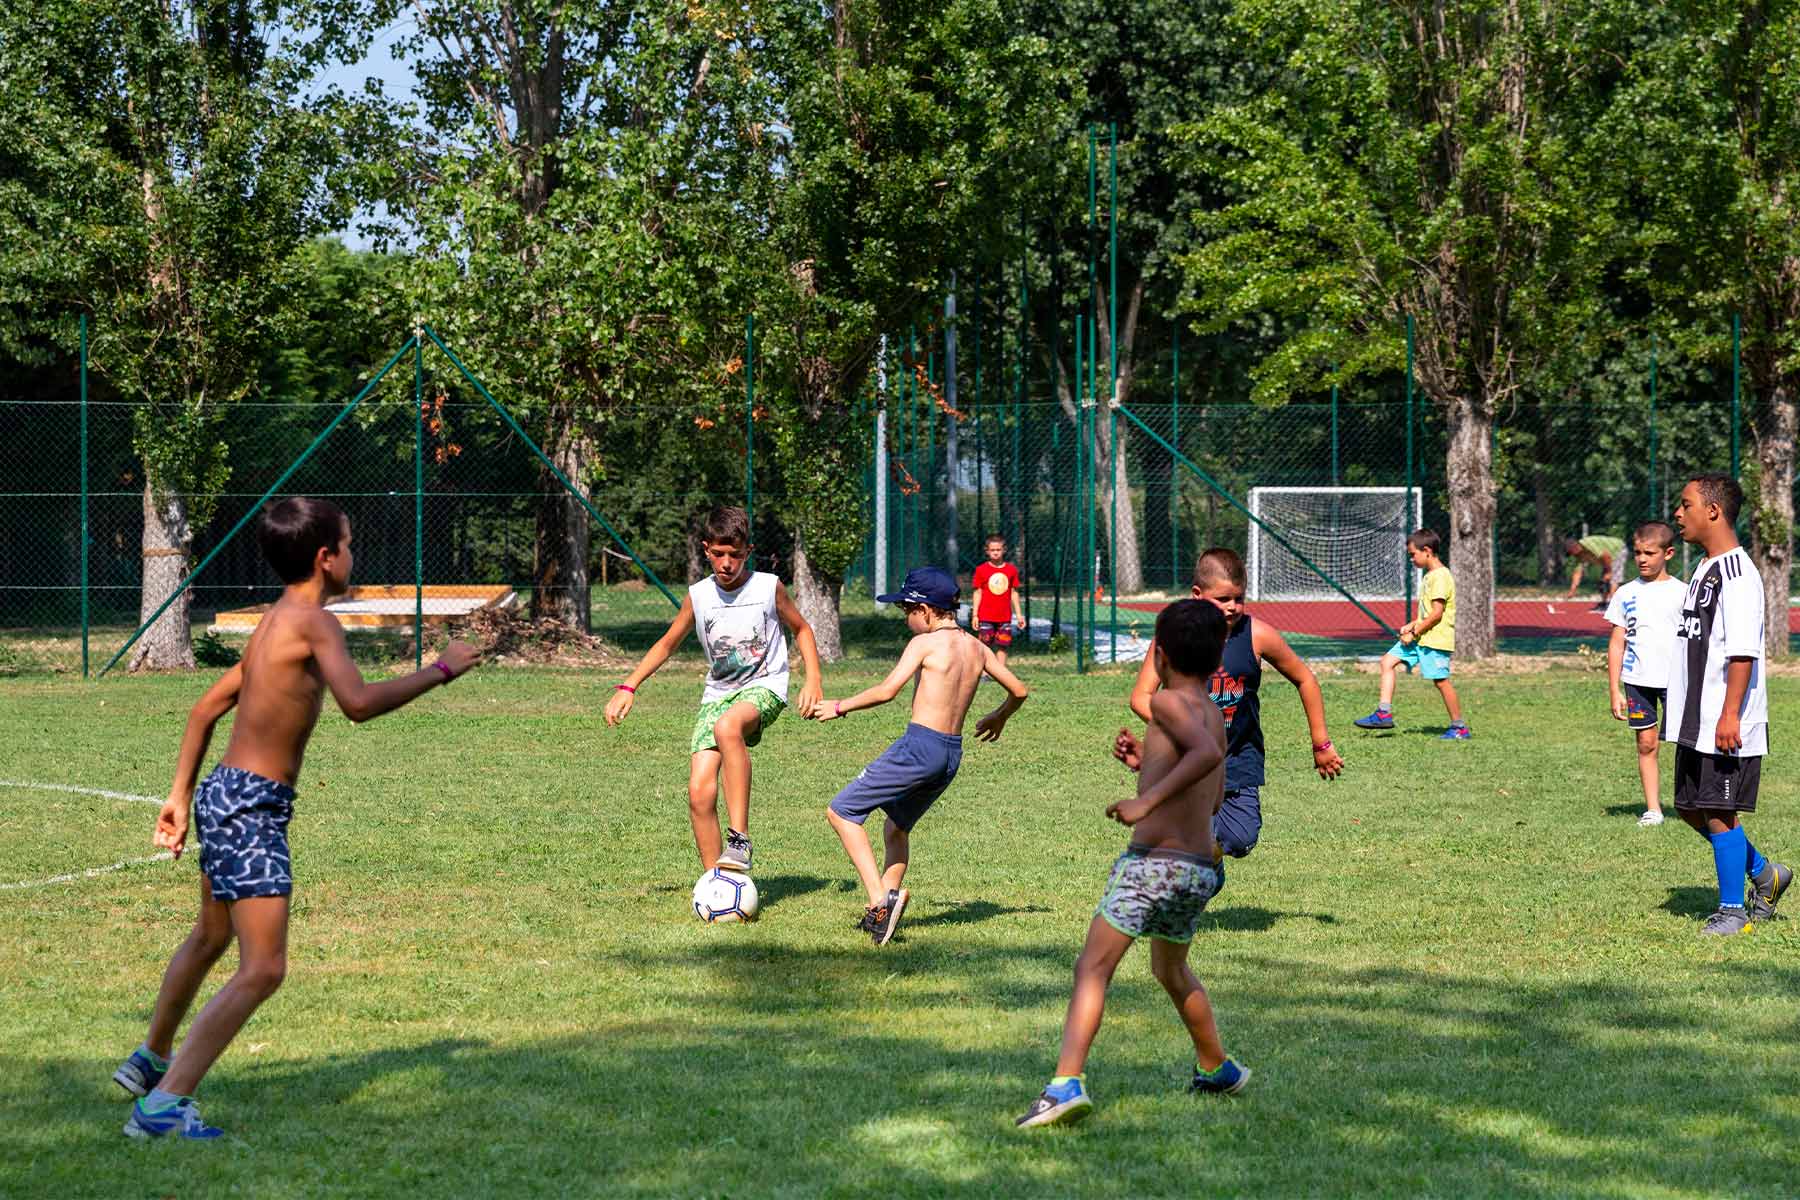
1432, 664
766, 703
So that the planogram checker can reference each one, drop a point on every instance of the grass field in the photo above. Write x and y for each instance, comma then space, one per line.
1460, 970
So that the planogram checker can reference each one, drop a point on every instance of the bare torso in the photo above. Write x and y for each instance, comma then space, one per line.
281, 695
944, 687
1184, 821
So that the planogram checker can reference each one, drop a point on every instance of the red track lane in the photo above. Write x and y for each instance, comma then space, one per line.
1512, 618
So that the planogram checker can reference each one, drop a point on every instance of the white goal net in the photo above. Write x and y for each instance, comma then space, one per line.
1356, 535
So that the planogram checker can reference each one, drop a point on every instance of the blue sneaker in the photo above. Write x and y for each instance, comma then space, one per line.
181, 1119
1456, 733
139, 1074
1228, 1080
1376, 720
1061, 1104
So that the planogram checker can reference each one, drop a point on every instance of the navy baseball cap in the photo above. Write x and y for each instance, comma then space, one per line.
926, 585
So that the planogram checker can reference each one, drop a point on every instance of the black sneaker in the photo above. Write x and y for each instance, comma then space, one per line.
874, 918
1766, 890
736, 855
889, 920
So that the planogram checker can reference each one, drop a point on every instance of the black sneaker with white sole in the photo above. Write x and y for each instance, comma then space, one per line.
889, 919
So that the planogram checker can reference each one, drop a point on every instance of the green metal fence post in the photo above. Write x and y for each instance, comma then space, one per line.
1335, 473
1655, 500
1407, 519
750, 420
1021, 505
85, 538
418, 501
1082, 561
1736, 376
1112, 382
1175, 440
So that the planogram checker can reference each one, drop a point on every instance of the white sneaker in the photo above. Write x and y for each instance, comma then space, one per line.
1649, 819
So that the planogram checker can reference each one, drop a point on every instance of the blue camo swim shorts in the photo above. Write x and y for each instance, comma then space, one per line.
1159, 893
243, 820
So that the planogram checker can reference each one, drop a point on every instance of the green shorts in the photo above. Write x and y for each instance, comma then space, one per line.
766, 702
1159, 893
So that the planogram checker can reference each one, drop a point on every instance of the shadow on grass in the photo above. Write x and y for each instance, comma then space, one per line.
1252, 919
773, 889
1623, 810
967, 912
1691, 901
1380, 1080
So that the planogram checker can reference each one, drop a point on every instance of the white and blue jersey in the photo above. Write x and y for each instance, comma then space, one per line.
1650, 615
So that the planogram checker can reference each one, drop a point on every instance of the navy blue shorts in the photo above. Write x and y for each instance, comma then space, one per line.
1644, 705
243, 820
908, 777
1238, 823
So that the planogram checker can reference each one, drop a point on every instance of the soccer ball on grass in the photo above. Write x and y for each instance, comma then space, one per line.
723, 896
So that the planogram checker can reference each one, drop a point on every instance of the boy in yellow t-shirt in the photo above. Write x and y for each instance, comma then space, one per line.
1426, 641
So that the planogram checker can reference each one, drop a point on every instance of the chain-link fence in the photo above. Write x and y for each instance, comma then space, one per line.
445, 491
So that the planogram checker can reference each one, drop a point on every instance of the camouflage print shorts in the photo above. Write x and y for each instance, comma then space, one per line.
1159, 893
766, 703
243, 821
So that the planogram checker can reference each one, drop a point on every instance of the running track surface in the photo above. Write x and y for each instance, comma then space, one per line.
1513, 619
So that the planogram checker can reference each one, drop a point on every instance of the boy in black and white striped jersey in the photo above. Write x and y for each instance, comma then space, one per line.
1718, 705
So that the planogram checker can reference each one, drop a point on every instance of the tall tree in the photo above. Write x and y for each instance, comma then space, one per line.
1420, 160
574, 208
907, 126
1705, 139
162, 172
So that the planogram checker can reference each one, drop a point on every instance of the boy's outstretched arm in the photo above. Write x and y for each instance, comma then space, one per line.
1274, 650
797, 625
623, 697
988, 728
1146, 684
361, 700
910, 661
1201, 754
220, 698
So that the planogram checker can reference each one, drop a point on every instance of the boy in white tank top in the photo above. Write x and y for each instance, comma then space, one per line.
743, 618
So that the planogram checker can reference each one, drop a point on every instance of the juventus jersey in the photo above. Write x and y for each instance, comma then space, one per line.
1721, 619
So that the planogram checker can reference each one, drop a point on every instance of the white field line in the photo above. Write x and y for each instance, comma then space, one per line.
91, 872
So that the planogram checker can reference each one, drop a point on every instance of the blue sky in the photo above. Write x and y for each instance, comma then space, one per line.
378, 63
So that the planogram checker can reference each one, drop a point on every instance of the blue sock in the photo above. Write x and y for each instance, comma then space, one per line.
1754, 863
1729, 852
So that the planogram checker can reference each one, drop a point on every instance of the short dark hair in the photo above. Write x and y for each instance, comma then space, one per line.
991, 538
726, 524
1424, 539
1191, 634
1657, 533
937, 613
1220, 562
293, 531
1723, 491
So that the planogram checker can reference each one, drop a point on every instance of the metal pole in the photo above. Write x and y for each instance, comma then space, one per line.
418, 501
1081, 548
1112, 381
1175, 439
85, 537
1736, 376
879, 571
1409, 459
1655, 500
1021, 505
1334, 427
750, 420
952, 435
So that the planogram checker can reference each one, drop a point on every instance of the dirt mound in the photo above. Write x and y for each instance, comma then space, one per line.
509, 637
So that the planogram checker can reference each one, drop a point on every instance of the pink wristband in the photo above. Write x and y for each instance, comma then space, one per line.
443, 666
625, 687
837, 708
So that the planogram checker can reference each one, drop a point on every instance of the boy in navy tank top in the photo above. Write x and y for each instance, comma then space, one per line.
1219, 577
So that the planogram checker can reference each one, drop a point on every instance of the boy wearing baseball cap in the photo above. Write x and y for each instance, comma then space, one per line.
947, 664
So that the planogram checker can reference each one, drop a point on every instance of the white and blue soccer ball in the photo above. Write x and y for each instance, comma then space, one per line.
723, 896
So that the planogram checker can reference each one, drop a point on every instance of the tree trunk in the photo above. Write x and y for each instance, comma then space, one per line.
1772, 509
166, 645
1470, 472
560, 581
816, 595
1126, 561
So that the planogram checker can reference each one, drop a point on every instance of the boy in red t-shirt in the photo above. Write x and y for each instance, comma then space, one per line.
997, 606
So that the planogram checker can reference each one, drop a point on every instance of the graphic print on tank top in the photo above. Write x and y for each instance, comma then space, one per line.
741, 631
1234, 689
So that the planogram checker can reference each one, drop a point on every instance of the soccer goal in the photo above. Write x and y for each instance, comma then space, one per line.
1356, 535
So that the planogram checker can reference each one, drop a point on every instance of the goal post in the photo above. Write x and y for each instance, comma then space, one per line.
1351, 537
